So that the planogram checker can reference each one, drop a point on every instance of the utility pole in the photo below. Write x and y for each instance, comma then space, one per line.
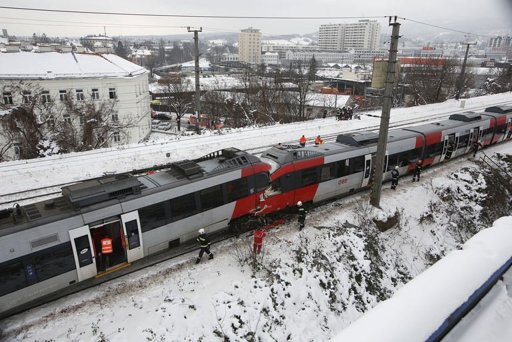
197, 99
384, 120
460, 82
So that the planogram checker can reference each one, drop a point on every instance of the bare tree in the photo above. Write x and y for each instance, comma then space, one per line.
303, 78
433, 80
23, 124
33, 117
86, 124
178, 97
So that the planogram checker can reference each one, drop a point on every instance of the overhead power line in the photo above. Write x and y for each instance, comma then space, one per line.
192, 15
443, 27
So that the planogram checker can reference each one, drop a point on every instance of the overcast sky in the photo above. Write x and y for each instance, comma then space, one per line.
489, 16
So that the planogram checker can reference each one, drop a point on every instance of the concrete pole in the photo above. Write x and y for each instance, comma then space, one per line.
460, 82
197, 99
384, 120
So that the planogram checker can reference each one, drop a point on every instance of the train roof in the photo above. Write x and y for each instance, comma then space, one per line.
88, 195
499, 109
455, 120
345, 143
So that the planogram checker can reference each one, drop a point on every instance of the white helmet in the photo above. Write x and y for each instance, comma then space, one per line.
396, 167
299, 204
201, 231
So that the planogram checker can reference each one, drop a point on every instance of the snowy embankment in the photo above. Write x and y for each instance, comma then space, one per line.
307, 286
25, 175
419, 308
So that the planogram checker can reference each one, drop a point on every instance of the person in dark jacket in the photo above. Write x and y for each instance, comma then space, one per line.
475, 147
449, 150
417, 171
302, 215
204, 244
394, 177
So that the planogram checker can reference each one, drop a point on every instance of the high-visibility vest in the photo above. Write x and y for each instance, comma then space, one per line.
106, 246
302, 140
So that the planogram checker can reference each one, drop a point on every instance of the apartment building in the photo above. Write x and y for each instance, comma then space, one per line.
249, 46
85, 77
363, 35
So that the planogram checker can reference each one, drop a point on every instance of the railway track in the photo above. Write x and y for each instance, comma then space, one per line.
40, 165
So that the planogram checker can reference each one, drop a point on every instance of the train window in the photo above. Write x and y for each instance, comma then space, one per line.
261, 181
501, 129
183, 206
343, 168
309, 176
211, 197
290, 181
237, 189
327, 172
83, 250
357, 164
132, 232
274, 188
152, 216
12, 277
54, 261
393, 160
463, 141
434, 150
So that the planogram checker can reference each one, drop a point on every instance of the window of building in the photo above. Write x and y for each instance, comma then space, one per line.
82, 119
63, 95
45, 96
80, 95
116, 136
95, 94
67, 118
112, 93
7, 96
115, 117
27, 97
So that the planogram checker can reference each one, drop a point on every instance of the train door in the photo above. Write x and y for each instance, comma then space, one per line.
133, 236
81, 243
471, 138
448, 147
367, 169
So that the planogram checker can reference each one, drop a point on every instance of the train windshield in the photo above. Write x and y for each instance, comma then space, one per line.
273, 164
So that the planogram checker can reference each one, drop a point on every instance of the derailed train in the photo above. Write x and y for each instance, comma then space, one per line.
48, 246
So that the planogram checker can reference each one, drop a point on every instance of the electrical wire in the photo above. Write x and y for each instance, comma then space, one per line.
191, 15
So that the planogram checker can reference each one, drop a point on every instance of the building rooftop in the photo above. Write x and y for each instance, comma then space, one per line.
54, 65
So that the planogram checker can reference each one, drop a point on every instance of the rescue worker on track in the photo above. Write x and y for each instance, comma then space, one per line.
302, 215
302, 141
318, 140
394, 177
417, 170
475, 147
204, 243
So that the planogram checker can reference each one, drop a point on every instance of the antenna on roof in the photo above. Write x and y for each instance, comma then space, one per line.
105, 30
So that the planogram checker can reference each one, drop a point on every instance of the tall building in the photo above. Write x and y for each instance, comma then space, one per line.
363, 35
249, 46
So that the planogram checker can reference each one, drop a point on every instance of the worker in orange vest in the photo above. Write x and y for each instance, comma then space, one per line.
106, 249
318, 140
302, 141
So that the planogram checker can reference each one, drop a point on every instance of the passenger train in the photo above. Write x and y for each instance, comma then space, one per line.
51, 245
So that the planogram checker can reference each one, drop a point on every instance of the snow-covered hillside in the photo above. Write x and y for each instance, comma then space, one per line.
306, 286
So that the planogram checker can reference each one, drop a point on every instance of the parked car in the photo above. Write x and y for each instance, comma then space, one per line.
155, 123
164, 126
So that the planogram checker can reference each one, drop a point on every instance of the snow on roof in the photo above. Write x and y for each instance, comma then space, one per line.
27, 65
327, 100
203, 64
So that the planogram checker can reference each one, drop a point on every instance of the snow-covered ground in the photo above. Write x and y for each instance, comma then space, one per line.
306, 286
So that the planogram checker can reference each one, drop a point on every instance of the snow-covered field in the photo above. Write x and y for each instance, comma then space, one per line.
306, 286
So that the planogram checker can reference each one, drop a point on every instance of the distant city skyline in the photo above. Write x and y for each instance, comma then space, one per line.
490, 16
